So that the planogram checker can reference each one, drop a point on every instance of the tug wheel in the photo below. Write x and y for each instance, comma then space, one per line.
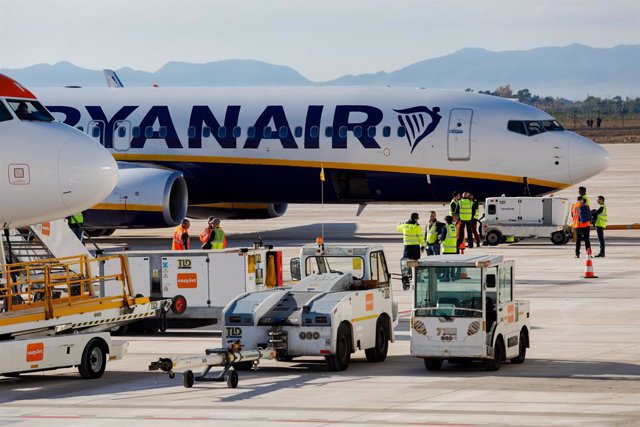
232, 379
188, 379
379, 352
340, 361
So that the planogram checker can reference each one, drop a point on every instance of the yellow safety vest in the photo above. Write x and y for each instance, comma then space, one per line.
411, 234
450, 244
218, 239
476, 214
452, 213
601, 221
586, 199
76, 218
432, 234
465, 209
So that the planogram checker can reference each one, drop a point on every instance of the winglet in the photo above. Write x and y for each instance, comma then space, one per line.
112, 78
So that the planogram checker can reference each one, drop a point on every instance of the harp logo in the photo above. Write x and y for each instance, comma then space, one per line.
419, 123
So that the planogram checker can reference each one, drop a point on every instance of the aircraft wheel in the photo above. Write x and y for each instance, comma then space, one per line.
379, 352
94, 360
493, 238
188, 379
433, 364
340, 361
232, 379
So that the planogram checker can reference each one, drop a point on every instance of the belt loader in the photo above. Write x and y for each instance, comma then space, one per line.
343, 302
464, 308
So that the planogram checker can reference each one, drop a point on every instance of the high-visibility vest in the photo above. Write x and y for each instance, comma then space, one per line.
451, 212
601, 221
219, 240
449, 246
465, 209
575, 210
177, 239
586, 199
476, 214
432, 234
411, 234
76, 218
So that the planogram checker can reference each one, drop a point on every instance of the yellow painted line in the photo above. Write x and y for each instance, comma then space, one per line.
128, 207
360, 319
331, 165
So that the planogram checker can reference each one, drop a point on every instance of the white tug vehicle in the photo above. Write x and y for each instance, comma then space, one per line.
342, 303
464, 308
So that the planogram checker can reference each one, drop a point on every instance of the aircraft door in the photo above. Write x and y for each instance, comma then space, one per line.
95, 129
122, 135
459, 134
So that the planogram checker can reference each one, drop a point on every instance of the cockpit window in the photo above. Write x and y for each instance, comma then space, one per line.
533, 127
4, 113
29, 110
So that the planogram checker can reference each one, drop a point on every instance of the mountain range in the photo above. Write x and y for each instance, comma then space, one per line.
573, 72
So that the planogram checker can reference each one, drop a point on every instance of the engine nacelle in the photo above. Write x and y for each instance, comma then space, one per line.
238, 210
143, 197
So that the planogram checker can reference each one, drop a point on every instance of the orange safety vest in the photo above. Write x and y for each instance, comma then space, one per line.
177, 239
204, 236
575, 212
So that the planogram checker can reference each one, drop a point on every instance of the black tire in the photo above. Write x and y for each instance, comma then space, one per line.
243, 366
119, 330
232, 379
94, 360
522, 349
498, 356
433, 364
379, 352
559, 238
106, 232
340, 361
188, 379
493, 238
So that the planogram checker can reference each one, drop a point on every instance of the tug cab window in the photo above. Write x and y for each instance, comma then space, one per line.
29, 110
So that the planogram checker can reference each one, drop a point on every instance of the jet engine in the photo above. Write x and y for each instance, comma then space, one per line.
237, 210
144, 197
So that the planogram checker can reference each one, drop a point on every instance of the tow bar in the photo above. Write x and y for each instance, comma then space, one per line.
225, 357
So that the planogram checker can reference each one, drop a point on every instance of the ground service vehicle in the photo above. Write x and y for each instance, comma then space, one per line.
464, 309
342, 303
202, 282
522, 217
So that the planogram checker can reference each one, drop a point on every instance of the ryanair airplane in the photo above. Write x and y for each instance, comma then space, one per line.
248, 152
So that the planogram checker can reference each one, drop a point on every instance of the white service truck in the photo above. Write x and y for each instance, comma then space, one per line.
509, 218
201, 282
464, 308
342, 303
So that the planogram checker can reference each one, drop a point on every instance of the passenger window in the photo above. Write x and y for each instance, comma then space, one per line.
516, 126
222, 132
4, 113
357, 131
266, 132
135, 132
342, 131
251, 132
283, 132
386, 131
122, 132
298, 131
314, 132
328, 131
504, 285
148, 132
402, 132
162, 132
237, 131
95, 132
206, 132
191, 132
371, 131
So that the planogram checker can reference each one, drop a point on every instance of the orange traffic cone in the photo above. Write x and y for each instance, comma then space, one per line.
588, 268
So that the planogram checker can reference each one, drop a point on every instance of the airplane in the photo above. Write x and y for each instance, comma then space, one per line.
50, 170
248, 152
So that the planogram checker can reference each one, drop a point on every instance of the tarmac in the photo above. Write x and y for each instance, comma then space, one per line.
583, 367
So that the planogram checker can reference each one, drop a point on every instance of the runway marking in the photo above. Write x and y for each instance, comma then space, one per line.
609, 376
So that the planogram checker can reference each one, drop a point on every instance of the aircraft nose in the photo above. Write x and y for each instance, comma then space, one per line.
586, 159
88, 173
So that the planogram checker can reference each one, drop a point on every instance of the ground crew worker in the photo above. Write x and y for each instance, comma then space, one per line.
181, 238
412, 237
449, 239
600, 216
433, 231
454, 208
213, 236
466, 213
75, 222
476, 226
581, 224
583, 192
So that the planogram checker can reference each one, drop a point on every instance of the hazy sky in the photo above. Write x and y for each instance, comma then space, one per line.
322, 39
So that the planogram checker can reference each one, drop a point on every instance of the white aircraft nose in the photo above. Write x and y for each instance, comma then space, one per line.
586, 159
88, 173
